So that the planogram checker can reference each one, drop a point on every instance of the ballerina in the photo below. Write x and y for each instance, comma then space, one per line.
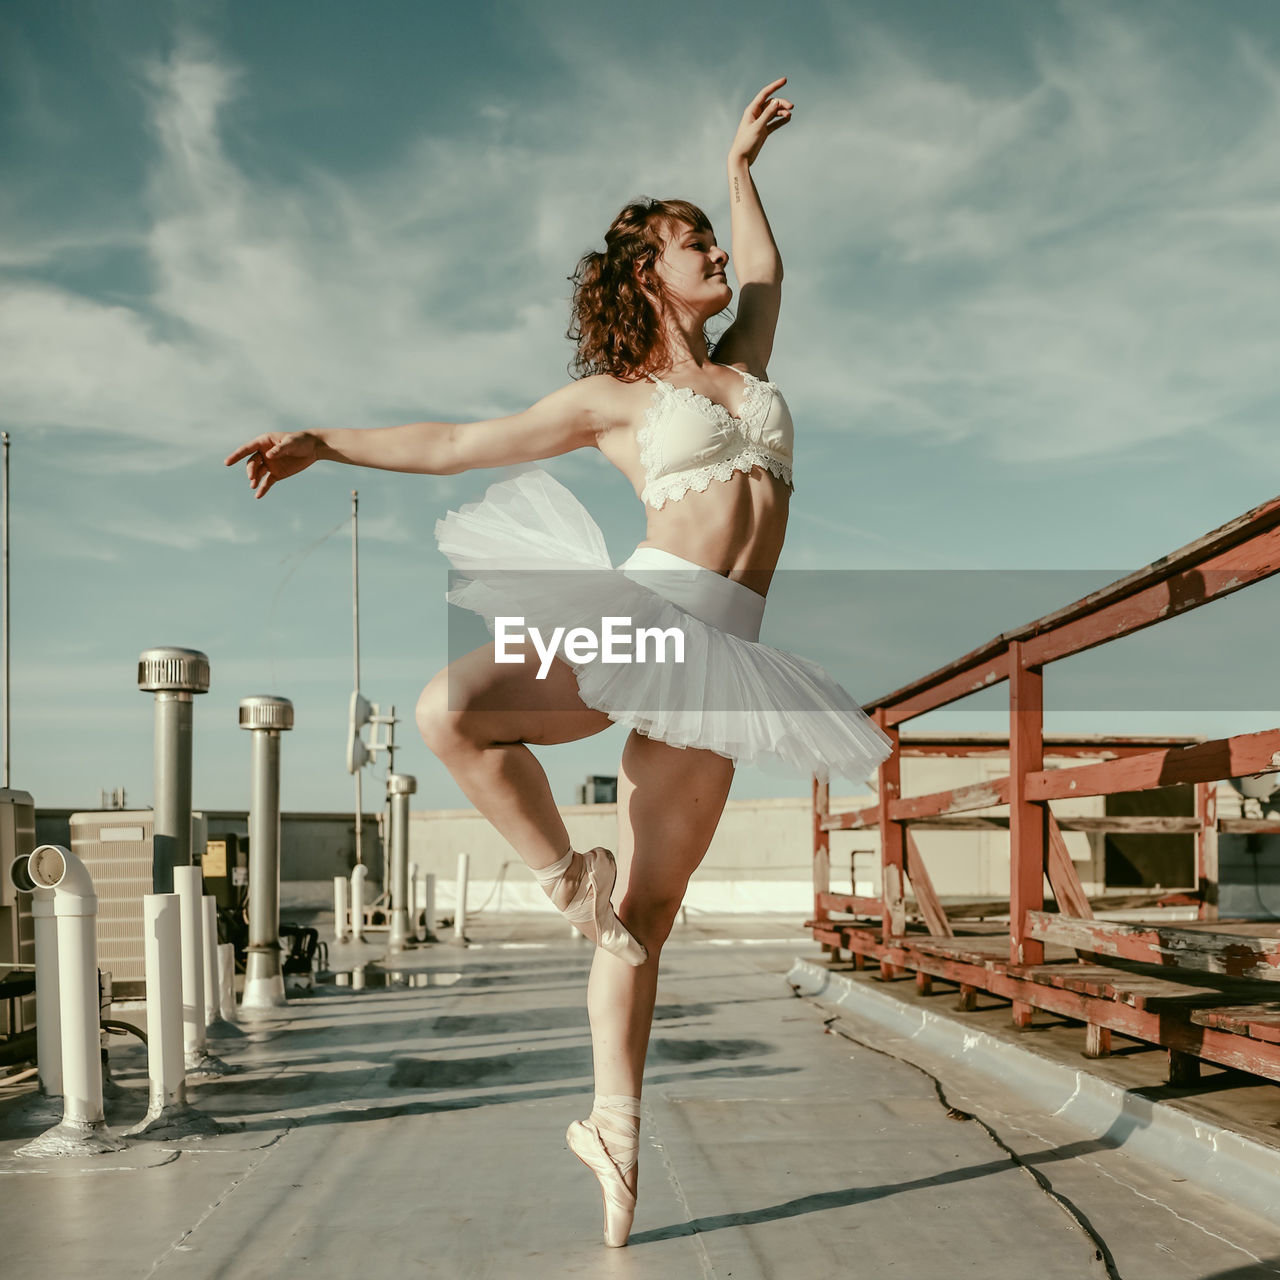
706, 442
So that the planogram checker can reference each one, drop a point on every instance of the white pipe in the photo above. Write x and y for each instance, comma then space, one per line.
358, 875
227, 980
162, 925
48, 1005
167, 1111
189, 884
212, 1013
341, 929
460, 914
75, 905
427, 906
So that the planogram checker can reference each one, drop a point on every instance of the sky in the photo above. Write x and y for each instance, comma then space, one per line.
1028, 337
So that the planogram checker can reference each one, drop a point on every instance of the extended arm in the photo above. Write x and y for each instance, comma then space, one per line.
755, 255
567, 419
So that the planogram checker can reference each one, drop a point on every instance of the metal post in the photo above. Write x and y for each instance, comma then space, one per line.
267, 717
355, 628
5, 522
400, 786
174, 676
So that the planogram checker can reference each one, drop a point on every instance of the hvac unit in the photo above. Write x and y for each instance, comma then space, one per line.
115, 845
17, 931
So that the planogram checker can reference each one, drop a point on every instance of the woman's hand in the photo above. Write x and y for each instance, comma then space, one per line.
276, 456
764, 116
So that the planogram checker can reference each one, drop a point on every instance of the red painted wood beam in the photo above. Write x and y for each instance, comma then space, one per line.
1233, 757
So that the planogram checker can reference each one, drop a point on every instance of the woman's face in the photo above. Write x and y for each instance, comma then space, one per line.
691, 268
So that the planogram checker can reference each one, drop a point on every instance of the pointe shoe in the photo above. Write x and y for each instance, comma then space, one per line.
619, 1200
591, 907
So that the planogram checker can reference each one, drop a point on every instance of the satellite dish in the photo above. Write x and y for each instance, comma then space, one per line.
358, 714
1261, 786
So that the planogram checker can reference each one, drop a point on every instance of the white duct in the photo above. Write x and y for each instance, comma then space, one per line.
341, 928
212, 1011
460, 913
168, 1113
358, 875
189, 884
83, 1129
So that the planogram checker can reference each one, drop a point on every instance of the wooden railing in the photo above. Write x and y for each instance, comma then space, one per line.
1242, 552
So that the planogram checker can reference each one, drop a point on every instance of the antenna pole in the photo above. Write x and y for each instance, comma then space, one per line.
355, 627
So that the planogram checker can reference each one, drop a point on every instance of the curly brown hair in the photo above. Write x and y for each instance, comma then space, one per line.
614, 323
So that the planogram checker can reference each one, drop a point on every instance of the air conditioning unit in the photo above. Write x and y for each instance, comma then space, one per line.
115, 845
17, 931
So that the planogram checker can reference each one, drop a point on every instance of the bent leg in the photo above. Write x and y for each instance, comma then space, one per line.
477, 715
669, 805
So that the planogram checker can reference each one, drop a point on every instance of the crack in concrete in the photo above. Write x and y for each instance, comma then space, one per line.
1150, 1199
1074, 1213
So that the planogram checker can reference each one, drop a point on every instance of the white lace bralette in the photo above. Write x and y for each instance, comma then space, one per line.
686, 440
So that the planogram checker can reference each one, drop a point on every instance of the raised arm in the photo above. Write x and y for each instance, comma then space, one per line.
755, 256
570, 418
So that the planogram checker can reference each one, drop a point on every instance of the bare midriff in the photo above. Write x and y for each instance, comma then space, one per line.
735, 527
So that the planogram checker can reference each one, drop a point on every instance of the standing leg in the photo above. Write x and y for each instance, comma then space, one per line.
669, 805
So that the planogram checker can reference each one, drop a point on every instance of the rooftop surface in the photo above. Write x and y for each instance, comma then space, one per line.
415, 1126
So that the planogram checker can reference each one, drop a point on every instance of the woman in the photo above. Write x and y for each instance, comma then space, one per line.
716, 482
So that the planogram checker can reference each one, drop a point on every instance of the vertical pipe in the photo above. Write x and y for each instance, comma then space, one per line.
174, 676
428, 884
162, 923
358, 874
227, 980
400, 787
212, 1009
460, 914
48, 997
48, 1000
172, 847
188, 883
5, 603
355, 647
83, 1129
415, 901
341, 928
267, 717
168, 1114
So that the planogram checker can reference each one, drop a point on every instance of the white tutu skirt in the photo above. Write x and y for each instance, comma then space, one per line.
529, 549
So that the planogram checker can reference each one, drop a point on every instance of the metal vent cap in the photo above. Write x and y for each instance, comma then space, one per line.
401, 784
266, 711
170, 670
